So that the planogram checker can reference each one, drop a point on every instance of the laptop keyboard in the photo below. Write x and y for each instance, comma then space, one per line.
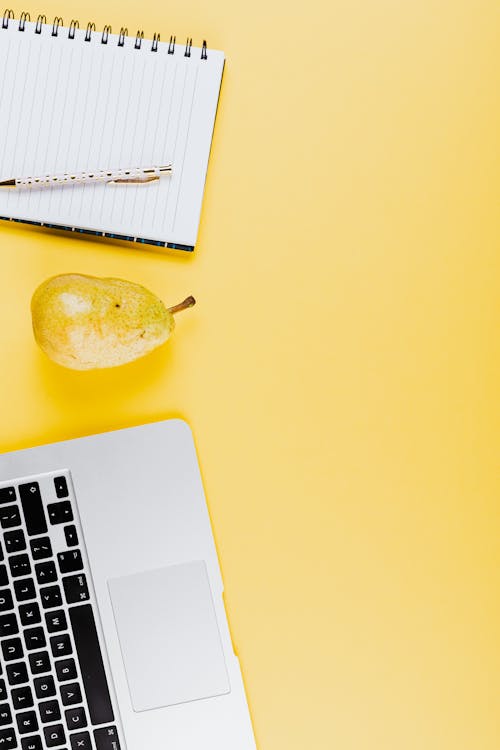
54, 689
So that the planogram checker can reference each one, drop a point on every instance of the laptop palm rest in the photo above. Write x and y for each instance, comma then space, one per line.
169, 636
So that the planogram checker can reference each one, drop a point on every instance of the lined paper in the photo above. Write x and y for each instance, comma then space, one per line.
67, 105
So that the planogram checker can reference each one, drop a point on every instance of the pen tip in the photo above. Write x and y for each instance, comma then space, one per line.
8, 183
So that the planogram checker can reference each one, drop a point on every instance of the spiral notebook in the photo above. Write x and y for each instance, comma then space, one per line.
74, 100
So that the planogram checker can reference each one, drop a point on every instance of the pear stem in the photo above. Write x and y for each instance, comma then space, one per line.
188, 302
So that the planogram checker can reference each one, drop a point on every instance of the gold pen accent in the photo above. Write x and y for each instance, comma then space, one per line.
133, 181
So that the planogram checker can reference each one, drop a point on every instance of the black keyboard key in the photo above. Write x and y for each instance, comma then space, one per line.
7, 495
19, 565
34, 639
10, 516
45, 687
76, 718
41, 548
71, 536
46, 572
25, 590
61, 645
56, 621
51, 597
17, 674
71, 694
1, 553
61, 486
12, 649
54, 736
4, 576
3, 690
15, 541
5, 714
81, 741
32, 743
22, 698
76, 589
59, 512
91, 664
6, 602
49, 712
39, 662
107, 739
8, 626
34, 514
8, 739
66, 670
70, 562
27, 722
29, 614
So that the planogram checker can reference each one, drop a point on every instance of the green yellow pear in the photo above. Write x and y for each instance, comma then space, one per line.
85, 323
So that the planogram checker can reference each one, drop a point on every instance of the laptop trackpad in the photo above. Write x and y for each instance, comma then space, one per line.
169, 636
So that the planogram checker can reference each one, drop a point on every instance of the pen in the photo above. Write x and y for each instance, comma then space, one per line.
131, 176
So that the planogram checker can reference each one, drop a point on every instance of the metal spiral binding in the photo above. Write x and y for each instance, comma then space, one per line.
7, 16
105, 34
138, 39
88, 33
22, 21
55, 26
91, 28
39, 23
74, 25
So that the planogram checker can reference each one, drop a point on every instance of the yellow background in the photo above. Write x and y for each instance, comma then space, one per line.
341, 368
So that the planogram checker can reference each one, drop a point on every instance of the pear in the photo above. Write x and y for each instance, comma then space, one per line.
84, 322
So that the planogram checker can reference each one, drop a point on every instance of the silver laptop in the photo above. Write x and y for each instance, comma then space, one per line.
113, 633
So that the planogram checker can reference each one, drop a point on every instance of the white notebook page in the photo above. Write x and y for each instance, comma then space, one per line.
68, 105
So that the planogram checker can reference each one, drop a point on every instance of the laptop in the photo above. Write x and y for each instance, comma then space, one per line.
113, 632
